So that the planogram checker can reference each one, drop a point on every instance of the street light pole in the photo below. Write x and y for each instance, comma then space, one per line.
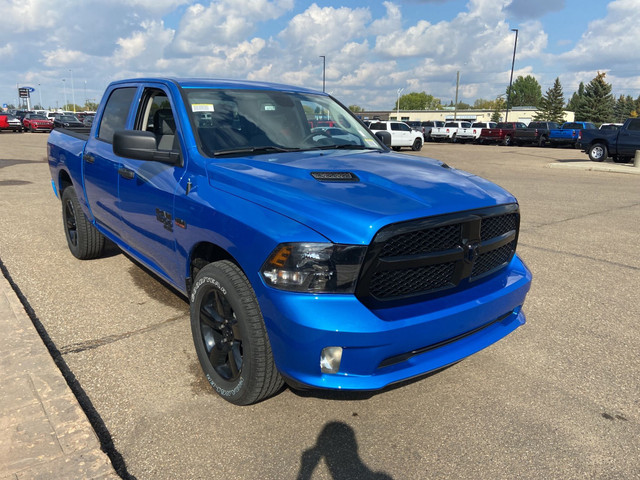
324, 65
513, 61
398, 105
40, 92
64, 82
73, 92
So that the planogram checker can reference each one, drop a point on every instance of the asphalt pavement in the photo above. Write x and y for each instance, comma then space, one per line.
99, 373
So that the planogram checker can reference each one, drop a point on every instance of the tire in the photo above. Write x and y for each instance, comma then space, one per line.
453, 138
84, 241
417, 145
31, 129
397, 149
507, 141
230, 337
542, 141
622, 159
598, 152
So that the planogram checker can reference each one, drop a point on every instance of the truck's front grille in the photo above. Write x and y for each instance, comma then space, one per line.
420, 257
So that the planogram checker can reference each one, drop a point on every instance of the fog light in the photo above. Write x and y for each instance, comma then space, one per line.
330, 359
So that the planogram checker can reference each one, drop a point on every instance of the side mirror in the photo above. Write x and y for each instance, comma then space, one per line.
384, 137
141, 145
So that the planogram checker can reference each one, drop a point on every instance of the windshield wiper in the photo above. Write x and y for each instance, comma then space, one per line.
344, 147
243, 150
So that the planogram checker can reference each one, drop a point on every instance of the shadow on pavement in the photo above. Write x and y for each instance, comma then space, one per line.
337, 445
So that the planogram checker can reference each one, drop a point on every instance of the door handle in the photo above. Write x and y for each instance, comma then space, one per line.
89, 158
126, 173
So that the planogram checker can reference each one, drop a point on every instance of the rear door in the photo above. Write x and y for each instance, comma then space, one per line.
100, 165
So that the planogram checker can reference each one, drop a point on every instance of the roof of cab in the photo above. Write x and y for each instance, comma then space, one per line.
222, 84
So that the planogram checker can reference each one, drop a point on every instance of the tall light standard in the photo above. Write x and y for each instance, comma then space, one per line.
398, 104
64, 82
40, 92
515, 45
324, 65
73, 92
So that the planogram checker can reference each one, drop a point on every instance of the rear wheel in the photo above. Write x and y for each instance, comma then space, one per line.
507, 141
230, 337
84, 241
598, 152
542, 141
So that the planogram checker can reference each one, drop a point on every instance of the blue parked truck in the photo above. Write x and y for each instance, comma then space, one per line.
568, 133
309, 255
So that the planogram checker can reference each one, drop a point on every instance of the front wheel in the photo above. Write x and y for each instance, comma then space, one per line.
397, 149
597, 152
507, 141
84, 241
417, 145
230, 337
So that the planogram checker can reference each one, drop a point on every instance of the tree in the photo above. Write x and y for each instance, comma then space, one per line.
597, 103
576, 99
355, 108
482, 104
525, 91
623, 108
552, 104
418, 101
90, 106
499, 106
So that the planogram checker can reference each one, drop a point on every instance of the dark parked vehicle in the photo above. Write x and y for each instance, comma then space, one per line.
620, 144
536, 133
67, 121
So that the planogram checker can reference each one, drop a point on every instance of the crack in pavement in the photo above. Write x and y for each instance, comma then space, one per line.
92, 344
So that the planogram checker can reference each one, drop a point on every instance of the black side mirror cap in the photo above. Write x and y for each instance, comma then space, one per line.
384, 137
141, 145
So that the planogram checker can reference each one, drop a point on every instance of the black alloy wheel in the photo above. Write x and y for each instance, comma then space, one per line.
71, 225
221, 335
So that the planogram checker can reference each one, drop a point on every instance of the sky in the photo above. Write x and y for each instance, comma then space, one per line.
71, 49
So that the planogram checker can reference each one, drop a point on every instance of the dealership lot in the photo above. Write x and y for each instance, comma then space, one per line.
559, 398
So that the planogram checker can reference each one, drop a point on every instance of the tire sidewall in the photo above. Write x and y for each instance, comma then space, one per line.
210, 278
69, 196
602, 156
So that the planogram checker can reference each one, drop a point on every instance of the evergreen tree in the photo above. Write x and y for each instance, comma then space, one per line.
576, 99
552, 104
597, 104
499, 105
525, 91
623, 108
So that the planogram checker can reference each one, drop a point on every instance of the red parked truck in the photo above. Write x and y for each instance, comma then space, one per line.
502, 134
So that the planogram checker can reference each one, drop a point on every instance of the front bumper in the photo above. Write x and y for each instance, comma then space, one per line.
393, 344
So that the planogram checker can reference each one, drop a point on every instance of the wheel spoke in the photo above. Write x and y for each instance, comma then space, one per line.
235, 360
218, 357
210, 316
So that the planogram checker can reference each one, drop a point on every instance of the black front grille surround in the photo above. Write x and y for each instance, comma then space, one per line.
415, 259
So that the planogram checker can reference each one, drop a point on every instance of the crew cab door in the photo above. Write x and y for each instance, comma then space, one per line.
100, 165
629, 138
147, 188
401, 134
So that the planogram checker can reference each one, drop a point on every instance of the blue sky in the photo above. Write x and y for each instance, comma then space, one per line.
372, 49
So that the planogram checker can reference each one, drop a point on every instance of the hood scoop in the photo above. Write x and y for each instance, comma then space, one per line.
335, 176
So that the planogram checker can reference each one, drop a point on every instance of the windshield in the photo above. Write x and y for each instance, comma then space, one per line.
261, 121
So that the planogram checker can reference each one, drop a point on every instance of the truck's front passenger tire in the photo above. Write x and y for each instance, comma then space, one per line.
230, 337
417, 145
84, 241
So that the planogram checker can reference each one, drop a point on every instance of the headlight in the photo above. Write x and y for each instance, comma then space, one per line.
314, 267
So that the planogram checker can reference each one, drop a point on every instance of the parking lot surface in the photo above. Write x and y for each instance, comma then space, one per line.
558, 398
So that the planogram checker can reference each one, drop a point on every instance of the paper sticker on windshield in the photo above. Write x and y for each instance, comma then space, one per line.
371, 142
202, 107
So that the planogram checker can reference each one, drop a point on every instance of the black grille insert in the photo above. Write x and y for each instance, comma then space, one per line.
420, 257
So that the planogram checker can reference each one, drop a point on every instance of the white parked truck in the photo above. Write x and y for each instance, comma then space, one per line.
402, 135
449, 131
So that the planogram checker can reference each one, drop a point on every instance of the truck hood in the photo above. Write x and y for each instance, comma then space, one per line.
389, 188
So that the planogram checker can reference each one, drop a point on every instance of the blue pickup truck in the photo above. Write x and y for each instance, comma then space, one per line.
309, 255
568, 133
620, 143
